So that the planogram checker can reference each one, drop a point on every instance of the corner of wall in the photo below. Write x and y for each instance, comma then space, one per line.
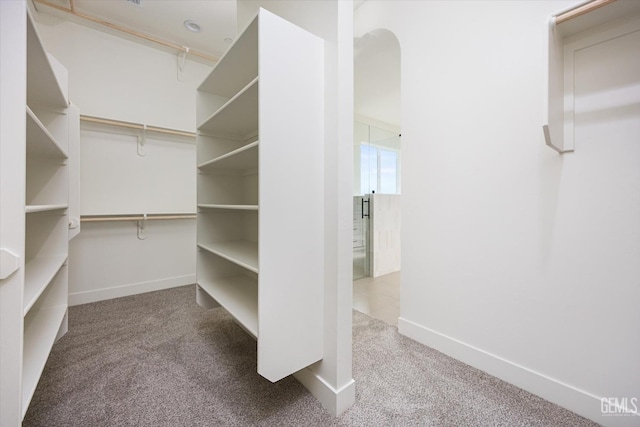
336, 401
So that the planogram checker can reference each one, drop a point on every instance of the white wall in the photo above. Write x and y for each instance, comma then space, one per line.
515, 259
119, 79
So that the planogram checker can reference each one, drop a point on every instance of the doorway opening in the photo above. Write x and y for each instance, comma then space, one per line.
377, 176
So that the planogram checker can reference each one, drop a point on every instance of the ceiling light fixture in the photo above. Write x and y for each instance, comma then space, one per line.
192, 26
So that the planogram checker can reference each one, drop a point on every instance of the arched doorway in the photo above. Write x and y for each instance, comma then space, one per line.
377, 175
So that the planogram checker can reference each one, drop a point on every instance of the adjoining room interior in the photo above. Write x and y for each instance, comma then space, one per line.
377, 176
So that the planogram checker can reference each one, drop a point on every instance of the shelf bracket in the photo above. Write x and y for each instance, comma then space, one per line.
141, 225
141, 140
9, 263
182, 61
550, 144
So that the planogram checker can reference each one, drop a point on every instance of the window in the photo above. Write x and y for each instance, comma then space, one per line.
379, 169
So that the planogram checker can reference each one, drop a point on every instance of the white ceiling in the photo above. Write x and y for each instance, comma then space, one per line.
162, 19
377, 54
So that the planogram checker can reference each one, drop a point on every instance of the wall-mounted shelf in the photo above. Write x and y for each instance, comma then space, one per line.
230, 207
564, 28
40, 331
46, 78
241, 252
44, 208
243, 158
239, 296
39, 272
40, 142
238, 118
237, 67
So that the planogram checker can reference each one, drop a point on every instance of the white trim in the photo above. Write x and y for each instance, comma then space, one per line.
334, 400
572, 398
86, 297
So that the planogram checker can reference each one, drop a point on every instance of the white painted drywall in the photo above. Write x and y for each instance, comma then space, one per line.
330, 379
377, 77
108, 260
515, 259
116, 78
119, 79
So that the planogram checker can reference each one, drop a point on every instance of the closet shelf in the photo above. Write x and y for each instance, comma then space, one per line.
245, 157
45, 75
229, 207
237, 67
40, 142
238, 117
239, 296
240, 252
39, 272
44, 208
40, 332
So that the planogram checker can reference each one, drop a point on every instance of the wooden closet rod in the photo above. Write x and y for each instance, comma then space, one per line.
136, 126
73, 11
581, 10
110, 218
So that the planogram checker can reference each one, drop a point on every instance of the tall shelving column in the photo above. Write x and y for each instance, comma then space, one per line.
260, 190
46, 209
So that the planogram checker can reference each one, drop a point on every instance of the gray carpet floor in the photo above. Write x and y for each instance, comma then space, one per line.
158, 359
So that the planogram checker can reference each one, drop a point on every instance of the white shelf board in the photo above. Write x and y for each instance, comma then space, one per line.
46, 81
229, 207
238, 117
239, 296
44, 208
241, 252
40, 142
237, 67
38, 274
243, 158
39, 335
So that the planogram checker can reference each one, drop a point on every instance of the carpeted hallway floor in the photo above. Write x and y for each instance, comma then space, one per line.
158, 359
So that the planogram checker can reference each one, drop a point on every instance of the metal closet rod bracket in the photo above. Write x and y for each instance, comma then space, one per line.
141, 140
141, 224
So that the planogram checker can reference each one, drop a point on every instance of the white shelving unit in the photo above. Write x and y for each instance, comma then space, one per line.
46, 209
34, 295
260, 190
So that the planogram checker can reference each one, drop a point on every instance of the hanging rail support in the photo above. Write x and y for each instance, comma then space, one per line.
182, 61
141, 224
141, 141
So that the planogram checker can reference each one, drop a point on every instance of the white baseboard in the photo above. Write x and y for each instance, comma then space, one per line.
334, 400
579, 401
86, 297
